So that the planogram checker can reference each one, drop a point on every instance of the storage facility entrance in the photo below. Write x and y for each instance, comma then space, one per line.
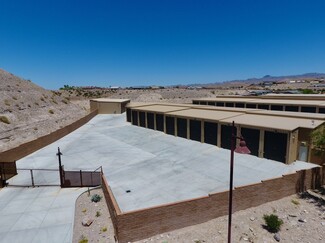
275, 146
211, 133
252, 138
195, 130
182, 127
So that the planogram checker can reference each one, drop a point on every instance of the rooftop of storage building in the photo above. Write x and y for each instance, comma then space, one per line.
280, 120
264, 100
111, 100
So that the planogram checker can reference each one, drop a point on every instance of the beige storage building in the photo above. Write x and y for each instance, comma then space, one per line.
277, 135
108, 106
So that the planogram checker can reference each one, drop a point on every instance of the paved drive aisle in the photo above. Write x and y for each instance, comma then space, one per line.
40, 214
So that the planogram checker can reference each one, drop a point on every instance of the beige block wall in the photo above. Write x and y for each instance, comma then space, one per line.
32, 146
145, 223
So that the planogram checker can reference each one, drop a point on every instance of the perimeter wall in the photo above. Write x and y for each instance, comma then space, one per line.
140, 224
32, 146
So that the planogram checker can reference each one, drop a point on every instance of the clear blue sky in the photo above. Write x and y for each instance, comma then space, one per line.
137, 42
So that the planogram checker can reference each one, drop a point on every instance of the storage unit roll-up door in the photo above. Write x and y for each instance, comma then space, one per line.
275, 146
182, 127
226, 133
291, 108
170, 125
195, 130
135, 118
128, 115
211, 133
252, 138
160, 122
309, 109
142, 118
150, 120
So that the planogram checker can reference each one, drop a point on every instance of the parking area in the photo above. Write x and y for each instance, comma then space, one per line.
148, 168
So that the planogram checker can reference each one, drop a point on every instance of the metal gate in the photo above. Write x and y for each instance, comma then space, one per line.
35, 177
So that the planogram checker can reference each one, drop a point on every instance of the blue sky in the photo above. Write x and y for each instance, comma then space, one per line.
159, 42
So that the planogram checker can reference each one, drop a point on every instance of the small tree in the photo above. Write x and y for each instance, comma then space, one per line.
272, 222
318, 140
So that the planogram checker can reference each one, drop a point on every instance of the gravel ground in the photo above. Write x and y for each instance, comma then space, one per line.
101, 229
303, 217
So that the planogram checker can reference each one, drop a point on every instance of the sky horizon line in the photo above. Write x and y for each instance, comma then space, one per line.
176, 84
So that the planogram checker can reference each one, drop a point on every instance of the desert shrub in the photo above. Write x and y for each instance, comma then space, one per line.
14, 97
83, 239
96, 198
7, 102
36, 103
104, 229
98, 214
51, 111
295, 202
4, 119
65, 102
272, 222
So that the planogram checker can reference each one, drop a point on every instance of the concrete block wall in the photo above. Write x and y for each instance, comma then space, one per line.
32, 146
140, 224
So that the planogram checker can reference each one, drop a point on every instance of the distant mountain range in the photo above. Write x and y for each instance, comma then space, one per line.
267, 78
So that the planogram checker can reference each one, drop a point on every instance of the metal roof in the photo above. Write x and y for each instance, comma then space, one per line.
265, 101
279, 120
160, 108
306, 115
214, 115
111, 100
274, 122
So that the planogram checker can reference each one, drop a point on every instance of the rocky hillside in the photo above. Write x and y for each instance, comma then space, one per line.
28, 111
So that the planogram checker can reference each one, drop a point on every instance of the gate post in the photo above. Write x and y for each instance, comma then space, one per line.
60, 166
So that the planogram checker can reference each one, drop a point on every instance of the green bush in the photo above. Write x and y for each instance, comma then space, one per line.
51, 111
4, 119
96, 198
272, 222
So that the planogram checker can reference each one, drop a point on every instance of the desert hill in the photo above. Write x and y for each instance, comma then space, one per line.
28, 111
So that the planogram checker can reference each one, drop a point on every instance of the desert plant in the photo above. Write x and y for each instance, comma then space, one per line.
295, 202
51, 111
84, 210
4, 119
96, 198
98, 214
83, 239
7, 103
104, 229
273, 223
14, 97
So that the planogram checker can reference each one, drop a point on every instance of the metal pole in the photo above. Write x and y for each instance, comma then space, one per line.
231, 179
81, 177
31, 174
60, 166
